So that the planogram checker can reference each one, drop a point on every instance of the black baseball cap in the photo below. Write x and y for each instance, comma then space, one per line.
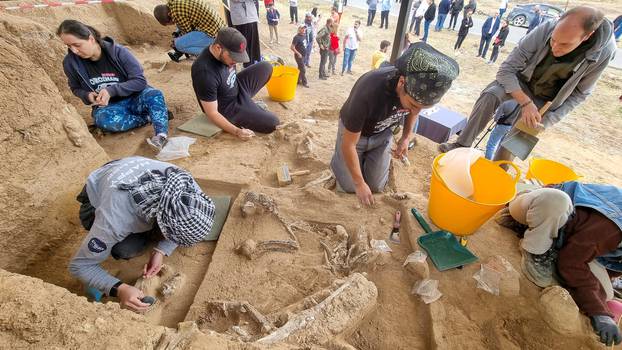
234, 42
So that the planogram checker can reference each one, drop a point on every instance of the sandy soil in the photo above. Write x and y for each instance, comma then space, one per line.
588, 140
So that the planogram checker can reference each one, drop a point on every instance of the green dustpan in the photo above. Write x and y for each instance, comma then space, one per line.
443, 248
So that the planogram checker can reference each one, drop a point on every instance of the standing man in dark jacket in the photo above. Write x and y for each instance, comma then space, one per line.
456, 7
323, 41
574, 229
443, 10
467, 22
499, 41
490, 27
537, 19
430, 13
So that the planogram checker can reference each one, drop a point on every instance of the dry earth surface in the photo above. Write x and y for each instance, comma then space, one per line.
48, 152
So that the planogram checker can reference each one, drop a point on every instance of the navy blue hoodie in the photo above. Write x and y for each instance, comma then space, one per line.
121, 58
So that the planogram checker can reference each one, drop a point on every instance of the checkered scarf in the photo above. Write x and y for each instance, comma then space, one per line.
184, 213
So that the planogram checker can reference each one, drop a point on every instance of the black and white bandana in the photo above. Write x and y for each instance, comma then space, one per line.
428, 72
183, 212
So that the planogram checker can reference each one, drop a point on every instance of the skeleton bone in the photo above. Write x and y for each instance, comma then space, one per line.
265, 202
324, 177
252, 250
337, 316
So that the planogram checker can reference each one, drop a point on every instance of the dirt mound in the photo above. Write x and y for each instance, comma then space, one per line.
47, 152
34, 32
39, 315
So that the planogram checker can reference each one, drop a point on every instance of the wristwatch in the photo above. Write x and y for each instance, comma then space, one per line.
115, 289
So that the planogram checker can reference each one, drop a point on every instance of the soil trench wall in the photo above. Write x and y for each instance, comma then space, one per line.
46, 148
34, 30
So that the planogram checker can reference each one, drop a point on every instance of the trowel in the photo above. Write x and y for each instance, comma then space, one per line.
522, 139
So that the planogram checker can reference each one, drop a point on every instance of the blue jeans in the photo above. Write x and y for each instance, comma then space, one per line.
348, 59
307, 58
496, 136
440, 21
374, 154
193, 43
426, 30
618, 32
133, 112
501, 12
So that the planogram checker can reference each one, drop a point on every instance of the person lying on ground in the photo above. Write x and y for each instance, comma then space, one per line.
225, 96
106, 76
197, 24
126, 205
572, 235
559, 62
380, 100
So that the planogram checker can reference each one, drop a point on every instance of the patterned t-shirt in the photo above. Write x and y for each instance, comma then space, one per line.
195, 15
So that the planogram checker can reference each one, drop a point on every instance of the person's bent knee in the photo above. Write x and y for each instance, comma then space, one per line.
494, 90
151, 93
268, 125
377, 187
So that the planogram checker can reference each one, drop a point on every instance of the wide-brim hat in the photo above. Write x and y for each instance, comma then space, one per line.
428, 73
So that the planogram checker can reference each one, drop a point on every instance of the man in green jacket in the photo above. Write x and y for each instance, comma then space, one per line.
323, 40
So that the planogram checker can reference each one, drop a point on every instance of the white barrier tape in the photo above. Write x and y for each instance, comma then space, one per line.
24, 6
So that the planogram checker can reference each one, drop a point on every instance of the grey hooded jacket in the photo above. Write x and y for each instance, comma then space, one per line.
533, 47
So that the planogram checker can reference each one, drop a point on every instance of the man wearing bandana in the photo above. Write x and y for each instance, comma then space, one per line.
379, 100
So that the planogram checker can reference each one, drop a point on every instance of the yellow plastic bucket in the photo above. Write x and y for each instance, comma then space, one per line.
493, 188
550, 172
282, 84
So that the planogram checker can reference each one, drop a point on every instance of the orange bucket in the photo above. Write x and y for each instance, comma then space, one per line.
493, 189
282, 84
550, 172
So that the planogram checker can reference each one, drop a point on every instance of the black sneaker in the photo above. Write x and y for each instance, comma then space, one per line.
175, 56
171, 116
539, 269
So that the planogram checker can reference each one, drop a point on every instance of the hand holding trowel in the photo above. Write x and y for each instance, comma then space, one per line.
521, 140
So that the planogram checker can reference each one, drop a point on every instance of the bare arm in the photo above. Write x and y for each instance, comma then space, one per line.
402, 145
348, 149
211, 111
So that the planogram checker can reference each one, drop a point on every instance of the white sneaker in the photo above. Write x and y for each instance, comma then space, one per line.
158, 141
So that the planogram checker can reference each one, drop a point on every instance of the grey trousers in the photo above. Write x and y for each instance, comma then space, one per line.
374, 154
545, 211
484, 109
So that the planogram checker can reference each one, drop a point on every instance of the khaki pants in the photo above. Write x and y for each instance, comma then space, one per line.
545, 211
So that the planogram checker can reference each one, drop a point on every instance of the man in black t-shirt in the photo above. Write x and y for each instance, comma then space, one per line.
379, 100
226, 97
299, 47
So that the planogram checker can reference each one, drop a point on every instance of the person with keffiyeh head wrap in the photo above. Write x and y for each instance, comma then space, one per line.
126, 205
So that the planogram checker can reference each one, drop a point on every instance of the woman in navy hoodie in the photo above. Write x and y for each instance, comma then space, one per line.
106, 76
